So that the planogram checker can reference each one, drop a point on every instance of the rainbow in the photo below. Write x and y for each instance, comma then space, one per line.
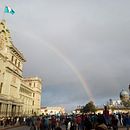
68, 62
74, 69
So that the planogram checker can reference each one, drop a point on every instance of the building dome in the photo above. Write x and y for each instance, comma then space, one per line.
124, 95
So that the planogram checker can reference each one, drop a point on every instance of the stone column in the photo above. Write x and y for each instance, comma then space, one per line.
6, 110
16, 110
9, 109
3, 109
1, 114
20, 111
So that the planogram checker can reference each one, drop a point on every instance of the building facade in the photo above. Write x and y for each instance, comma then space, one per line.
18, 95
52, 110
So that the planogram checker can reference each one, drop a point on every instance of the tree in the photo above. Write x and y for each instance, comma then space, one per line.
89, 107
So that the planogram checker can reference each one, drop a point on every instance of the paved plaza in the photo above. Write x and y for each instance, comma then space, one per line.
19, 128
28, 128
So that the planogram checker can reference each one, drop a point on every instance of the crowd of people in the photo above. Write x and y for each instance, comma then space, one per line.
103, 121
11, 121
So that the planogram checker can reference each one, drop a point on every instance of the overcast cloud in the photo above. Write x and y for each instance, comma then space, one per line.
57, 35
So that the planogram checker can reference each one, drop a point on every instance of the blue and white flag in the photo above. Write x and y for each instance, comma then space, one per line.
9, 10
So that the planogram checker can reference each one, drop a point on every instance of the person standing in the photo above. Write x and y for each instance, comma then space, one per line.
114, 122
53, 122
38, 124
127, 121
78, 121
106, 116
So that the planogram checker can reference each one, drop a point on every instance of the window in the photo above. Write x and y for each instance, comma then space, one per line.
3, 26
30, 84
15, 61
19, 64
34, 84
7, 30
2, 23
1, 85
33, 94
33, 103
12, 59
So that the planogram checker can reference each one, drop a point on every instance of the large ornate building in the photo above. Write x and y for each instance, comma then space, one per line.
18, 95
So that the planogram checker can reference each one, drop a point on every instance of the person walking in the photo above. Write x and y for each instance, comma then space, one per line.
127, 121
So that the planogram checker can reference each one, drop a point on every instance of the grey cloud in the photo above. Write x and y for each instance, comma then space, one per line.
92, 35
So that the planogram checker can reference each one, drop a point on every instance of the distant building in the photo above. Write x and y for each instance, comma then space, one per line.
52, 110
18, 95
115, 103
115, 110
124, 95
78, 109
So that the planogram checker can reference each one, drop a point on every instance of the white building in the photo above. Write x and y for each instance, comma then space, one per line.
18, 95
52, 110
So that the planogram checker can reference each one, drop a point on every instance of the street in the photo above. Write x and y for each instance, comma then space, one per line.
20, 128
27, 128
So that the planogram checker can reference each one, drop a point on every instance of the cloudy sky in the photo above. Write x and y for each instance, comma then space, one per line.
80, 48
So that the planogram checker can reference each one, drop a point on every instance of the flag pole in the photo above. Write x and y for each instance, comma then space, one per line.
3, 15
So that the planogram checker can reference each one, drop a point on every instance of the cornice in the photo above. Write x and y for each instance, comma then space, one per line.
10, 70
17, 52
9, 99
15, 66
26, 86
33, 79
25, 95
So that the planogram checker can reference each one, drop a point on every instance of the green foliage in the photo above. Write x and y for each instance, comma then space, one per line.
89, 107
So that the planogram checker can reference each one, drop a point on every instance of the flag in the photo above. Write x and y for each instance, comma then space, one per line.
9, 10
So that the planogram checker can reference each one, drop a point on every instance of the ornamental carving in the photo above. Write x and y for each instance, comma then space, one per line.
2, 37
